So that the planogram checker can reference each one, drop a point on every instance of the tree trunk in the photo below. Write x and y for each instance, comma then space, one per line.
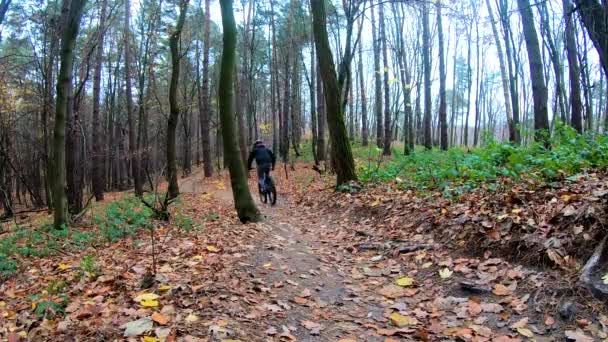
244, 204
426, 56
364, 132
133, 153
443, 120
587, 87
388, 135
378, 82
322, 117
511, 59
469, 87
576, 118
539, 89
173, 190
313, 105
340, 146
205, 115
97, 143
71, 13
478, 86
555, 60
595, 18
503, 73
3, 9
276, 107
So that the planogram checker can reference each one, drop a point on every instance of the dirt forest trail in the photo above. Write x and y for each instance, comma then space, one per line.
322, 266
309, 279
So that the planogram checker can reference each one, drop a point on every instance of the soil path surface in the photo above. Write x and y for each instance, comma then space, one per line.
307, 278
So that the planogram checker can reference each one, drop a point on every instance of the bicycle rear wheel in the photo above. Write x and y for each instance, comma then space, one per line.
271, 190
272, 195
263, 194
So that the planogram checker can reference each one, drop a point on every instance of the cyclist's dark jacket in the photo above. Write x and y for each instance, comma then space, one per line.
262, 156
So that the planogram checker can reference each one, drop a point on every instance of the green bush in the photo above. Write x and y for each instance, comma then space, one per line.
8, 266
123, 218
457, 170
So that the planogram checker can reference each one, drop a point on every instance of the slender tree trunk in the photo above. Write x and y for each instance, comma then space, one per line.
378, 83
133, 152
587, 88
276, 108
539, 89
97, 143
388, 135
71, 14
173, 190
313, 105
576, 119
205, 115
3, 9
469, 87
455, 90
554, 55
595, 18
340, 147
364, 132
244, 204
322, 117
503, 73
443, 121
511, 59
478, 85
426, 56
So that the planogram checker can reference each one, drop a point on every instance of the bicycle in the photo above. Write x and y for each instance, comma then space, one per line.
267, 190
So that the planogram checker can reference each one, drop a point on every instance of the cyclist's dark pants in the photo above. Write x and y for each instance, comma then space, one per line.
263, 170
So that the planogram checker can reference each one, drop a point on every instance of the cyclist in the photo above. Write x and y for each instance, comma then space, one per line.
264, 160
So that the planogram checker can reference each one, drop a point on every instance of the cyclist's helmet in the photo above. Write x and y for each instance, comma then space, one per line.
258, 142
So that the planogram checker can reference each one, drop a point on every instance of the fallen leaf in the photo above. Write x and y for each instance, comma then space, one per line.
577, 336
305, 293
605, 279
491, 307
150, 339
160, 318
506, 339
386, 332
300, 300
520, 324
401, 320
405, 281
164, 288
393, 291
315, 328
474, 308
445, 273
212, 248
525, 332
549, 321
271, 331
501, 290
146, 296
64, 266
138, 327
191, 318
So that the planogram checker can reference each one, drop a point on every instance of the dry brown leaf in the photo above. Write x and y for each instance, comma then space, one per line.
474, 308
577, 336
520, 324
501, 290
160, 318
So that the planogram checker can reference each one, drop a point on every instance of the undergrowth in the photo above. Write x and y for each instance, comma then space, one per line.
459, 170
117, 220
